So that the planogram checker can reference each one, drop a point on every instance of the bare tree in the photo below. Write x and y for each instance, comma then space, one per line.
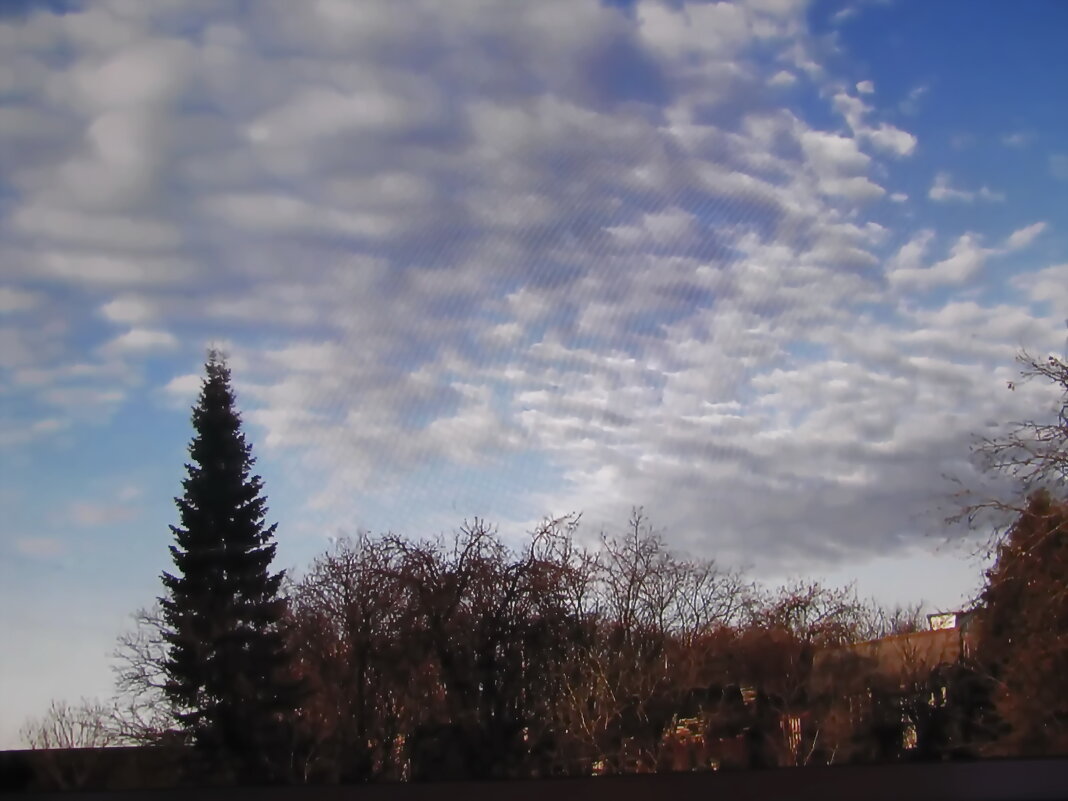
348, 613
495, 623
817, 615
884, 621
84, 726
706, 598
142, 713
65, 725
1032, 455
647, 659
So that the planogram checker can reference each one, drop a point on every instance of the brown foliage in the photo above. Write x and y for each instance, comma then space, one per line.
1022, 630
460, 657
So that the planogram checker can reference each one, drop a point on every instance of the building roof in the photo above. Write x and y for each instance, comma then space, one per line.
895, 658
902, 653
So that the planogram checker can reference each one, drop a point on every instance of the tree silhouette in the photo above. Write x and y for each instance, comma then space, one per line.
227, 667
1022, 628
1022, 623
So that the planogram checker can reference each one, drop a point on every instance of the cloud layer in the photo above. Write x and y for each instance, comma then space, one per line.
655, 246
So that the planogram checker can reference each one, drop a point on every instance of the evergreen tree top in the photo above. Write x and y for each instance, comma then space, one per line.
227, 666
222, 540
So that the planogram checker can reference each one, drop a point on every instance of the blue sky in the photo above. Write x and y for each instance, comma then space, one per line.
761, 267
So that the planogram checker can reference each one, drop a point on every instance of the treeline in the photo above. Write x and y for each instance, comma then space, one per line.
459, 657
393, 659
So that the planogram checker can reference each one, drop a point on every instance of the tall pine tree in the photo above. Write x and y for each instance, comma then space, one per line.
227, 667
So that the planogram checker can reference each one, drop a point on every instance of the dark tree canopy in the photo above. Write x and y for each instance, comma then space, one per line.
1023, 627
227, 668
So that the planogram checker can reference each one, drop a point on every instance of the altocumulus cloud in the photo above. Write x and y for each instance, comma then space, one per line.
653, 246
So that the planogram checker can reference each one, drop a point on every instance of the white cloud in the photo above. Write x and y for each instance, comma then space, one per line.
854, 188
429, 255
700, 29
839, 431
1023, 237
142, 74
88, 269
834, 153
140, 340
942, 191
853, 109
892, 140
672, 226
1017, 139
275, 213
883, 136
1046, 286
843, 14
503, 335
89, 229
184, 387
908, 268
130, 309
318, 113
964, 263
474, 431
911, 255
21, 434
838, 162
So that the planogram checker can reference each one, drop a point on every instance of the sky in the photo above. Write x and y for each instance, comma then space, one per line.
760, 267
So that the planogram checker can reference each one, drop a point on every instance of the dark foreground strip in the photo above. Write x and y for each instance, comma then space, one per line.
976, 781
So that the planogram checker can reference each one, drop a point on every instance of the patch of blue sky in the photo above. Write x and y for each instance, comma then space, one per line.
116, 547
134, 465
628, 7
964, 113
139, 439
20, 9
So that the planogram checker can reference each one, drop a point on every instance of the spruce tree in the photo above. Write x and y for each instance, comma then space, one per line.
227, 669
